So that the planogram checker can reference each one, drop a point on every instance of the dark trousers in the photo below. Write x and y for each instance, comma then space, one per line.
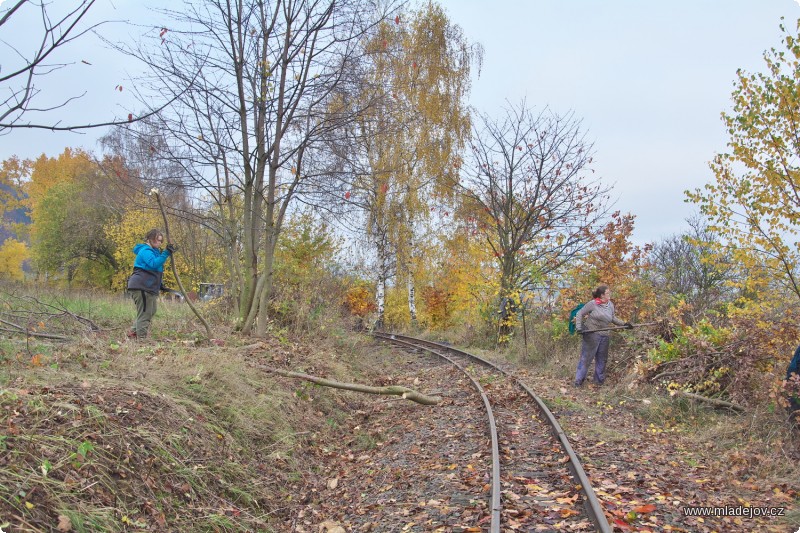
593, 347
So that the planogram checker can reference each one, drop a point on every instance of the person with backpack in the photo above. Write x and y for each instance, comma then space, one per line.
145, 282
592, 322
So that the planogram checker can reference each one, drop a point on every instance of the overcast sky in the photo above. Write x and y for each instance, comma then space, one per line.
648, 79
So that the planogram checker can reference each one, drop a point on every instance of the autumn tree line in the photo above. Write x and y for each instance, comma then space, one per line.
317, 153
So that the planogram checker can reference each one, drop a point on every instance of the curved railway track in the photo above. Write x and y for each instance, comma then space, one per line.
528, 456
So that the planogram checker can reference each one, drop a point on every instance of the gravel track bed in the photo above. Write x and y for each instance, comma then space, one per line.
429, 469
538, 492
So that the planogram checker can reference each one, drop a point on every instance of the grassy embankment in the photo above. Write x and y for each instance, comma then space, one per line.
101, 434
104, 434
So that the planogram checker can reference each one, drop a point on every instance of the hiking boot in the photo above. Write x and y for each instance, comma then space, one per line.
131, 335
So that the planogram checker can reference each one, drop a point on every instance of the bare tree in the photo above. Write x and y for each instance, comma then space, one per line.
686, 265
18, 78
59, 25
247, 132
530, 192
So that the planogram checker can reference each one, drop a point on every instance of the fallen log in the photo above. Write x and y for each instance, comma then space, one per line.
389, 390
713, 401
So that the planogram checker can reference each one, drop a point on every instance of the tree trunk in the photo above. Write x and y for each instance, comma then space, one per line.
380, 290
230, 227
412, 302
508, 300
380, 300
266, 290
249, 256
506, 326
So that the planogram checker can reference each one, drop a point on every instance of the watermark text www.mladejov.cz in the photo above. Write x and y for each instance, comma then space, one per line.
732, 510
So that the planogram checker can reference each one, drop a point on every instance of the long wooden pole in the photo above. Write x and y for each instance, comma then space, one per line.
154, 192
622, 327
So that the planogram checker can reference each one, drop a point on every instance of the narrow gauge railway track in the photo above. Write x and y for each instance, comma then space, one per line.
528, 456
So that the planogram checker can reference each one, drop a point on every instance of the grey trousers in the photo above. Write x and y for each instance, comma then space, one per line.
593, 347
146, 304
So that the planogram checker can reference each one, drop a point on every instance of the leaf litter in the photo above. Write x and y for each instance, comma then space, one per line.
424, 471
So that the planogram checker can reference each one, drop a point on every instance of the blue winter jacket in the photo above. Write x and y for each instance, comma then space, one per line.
148, 269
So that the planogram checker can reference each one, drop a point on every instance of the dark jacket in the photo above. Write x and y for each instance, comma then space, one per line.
148, 269
794, 365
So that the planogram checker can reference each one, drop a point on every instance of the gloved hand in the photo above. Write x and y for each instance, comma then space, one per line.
171, 248
628, 325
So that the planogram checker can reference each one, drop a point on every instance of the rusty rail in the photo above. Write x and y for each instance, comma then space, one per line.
594, 509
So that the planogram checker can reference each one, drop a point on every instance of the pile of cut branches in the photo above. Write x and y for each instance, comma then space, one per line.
31, 316
736, 360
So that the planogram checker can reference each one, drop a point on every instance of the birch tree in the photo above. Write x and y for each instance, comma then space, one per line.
403, 150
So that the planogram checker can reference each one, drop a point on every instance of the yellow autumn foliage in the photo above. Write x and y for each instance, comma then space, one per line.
359, 300
456, 282
131, 230
49, 171
12, 254
752, 204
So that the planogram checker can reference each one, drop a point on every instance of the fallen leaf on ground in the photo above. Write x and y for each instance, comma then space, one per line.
64, 523
648, 508
330, 526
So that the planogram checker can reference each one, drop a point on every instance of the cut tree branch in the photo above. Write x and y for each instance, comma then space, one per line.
390, 390
175, 270
713, 401
22, 331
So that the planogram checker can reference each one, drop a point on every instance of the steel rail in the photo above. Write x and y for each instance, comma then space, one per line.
496, 487
594, 509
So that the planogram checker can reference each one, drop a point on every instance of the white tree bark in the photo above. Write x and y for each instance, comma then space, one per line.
380, 299
380, 291
412, 301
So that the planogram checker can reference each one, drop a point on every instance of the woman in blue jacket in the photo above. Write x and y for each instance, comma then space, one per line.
145, 282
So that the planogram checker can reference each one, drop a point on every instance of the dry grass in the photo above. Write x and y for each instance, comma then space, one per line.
168, 434
172, 437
